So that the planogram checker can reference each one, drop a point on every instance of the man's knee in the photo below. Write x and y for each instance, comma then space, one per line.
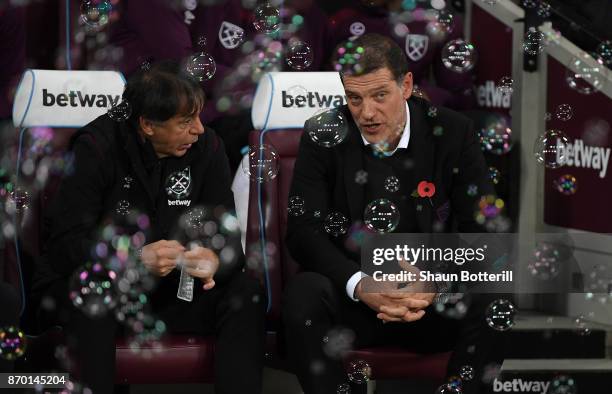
305, 295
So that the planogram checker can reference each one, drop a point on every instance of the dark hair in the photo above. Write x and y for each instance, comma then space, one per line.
372, 52
161, 91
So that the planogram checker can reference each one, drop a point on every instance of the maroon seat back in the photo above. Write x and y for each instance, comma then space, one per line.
266, 227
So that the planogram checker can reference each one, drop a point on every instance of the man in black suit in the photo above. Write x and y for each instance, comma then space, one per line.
391, 134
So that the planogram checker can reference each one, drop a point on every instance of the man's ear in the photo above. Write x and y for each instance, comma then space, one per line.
407, 86
146, 126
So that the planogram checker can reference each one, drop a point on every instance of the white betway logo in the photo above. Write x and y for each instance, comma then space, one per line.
520, 386
313, 100
78, 99
489, 95
179, 202
580, 155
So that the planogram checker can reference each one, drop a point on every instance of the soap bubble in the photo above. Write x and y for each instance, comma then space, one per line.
584, 74
343, 388
581, 325
381, 216
120, 112
299, 56
359, 371
336, 224
564, 112
361, 177
534, 42
455, 306
19, 199
459, 56
296, 206
267, 19
466, 372
604, 53
549, 148
490, 2
543, 10
328, 128
566, 184
262, 163
563, 385
392, 184
12, 343
544, 263
92, 290
201, 66
496, 137
505, 85
444, 21
448, 388
95, 13
494, 175
339, 343
500, 315
530, 3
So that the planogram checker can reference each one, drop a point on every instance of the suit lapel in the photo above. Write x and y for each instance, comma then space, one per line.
423, 148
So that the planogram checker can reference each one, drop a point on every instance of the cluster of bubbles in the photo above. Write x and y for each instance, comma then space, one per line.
455, 306
563, 384
545, 262
381, 216
459, 56
392, 184
12, 343
549, 148
93, 290
581, 325
585, 74
261, 163
327, 128
496, 137
494, 175
489, 207
346, 60
500, 315
566, 184
338, 342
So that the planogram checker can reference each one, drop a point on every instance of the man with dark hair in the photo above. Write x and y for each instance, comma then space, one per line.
390, 134
158, 182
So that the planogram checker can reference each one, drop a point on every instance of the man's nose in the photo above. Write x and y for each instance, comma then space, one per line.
367, 110
198, 127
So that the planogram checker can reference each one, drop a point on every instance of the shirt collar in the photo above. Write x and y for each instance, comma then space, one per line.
403, 142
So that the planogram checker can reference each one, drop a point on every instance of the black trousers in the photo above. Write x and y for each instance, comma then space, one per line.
313, 306
233, 312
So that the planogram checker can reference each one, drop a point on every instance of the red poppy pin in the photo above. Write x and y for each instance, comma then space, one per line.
426, 189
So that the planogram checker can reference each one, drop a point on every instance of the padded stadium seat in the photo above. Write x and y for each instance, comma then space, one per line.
267, 226
182, 359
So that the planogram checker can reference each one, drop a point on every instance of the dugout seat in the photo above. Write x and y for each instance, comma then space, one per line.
281, 127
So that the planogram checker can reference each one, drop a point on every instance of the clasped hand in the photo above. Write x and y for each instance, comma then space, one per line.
392, 304
163, 256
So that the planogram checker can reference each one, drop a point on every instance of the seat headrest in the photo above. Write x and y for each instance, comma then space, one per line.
286, 100
58, 98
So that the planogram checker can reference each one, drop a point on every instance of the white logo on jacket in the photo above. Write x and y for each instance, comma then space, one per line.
178, 186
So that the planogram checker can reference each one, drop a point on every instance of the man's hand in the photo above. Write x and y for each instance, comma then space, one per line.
202, 263
390, 305
161, 257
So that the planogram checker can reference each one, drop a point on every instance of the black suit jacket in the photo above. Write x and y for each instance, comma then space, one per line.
325, 179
